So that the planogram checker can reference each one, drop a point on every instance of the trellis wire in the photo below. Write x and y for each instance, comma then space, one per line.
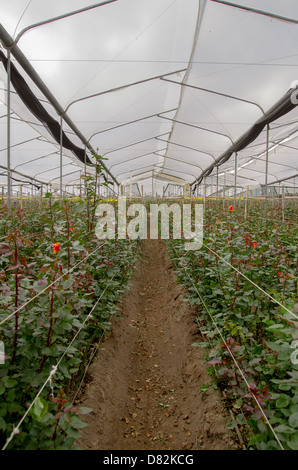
50, 285
252, 282
53, 372
233, 358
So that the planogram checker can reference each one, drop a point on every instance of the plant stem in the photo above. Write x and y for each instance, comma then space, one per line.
48, 343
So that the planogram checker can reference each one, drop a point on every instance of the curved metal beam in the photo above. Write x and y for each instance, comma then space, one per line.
177, 160
60, 17
8, 43
35, 159
225, 95
260, 12
67, 174
135, 143
122, 87
154, 165
129, 122
134, 158
188, 148
196, 127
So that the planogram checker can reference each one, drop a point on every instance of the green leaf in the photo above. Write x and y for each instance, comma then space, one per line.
72, 432
293, 420
231, 425
67, 284
283, 428
282, 401
83, 410
9, 382
2, 424
274, 346
293, 442
39, 408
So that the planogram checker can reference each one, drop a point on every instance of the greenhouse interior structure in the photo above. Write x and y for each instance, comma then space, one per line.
148, 231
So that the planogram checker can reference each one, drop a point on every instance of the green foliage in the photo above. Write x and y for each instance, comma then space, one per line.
256, 330
45, 330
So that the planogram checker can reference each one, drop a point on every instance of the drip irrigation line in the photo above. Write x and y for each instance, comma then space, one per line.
233, 358
50, 285
53, 371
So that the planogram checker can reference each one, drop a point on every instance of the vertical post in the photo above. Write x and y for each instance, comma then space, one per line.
266, 166
61, 158
8, 131
204, 197
246, 198
85, 158
130, 185
217, 183
152, 184
235, 177
223, 196
283, 203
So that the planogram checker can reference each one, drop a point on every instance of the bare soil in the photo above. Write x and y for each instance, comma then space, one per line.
145, 382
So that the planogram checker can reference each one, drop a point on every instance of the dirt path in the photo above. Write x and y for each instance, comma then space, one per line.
146, 377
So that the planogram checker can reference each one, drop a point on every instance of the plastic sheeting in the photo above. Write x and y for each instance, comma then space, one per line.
162, 89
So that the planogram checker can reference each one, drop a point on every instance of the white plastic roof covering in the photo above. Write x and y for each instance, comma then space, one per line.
156, 128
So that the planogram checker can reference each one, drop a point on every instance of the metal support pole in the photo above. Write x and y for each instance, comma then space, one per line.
85, 159
152, 183
223, 196
61, 158
246, 200
235, 177
8, 131
283, 203
204, 193
130, 185
266, 166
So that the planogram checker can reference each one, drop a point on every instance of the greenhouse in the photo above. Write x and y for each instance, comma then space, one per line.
148, 231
